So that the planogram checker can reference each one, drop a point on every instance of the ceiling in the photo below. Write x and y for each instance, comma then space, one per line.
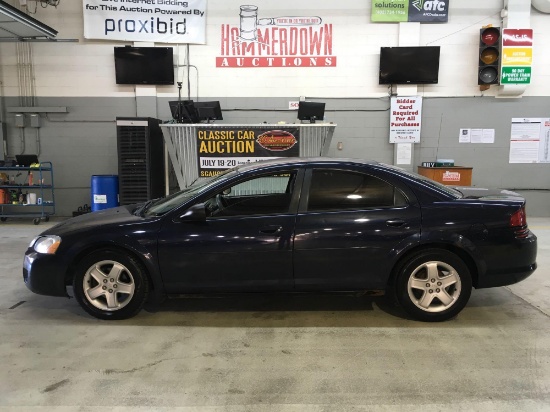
18, 26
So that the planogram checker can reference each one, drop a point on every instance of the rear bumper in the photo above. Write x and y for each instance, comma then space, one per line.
44, 274
503, 279
516, 263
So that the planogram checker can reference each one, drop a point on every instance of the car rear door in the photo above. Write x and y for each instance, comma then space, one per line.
245, 244
350, 225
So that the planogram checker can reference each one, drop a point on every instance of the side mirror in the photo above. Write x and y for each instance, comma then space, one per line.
196, 213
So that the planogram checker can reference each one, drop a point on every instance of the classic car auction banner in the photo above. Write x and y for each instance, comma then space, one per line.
405, 119
159, 21
423, 11
222, 148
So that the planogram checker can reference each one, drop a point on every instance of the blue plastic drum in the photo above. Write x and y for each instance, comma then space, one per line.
104, 192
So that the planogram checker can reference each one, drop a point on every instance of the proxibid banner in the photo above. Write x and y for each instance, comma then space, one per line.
160, 21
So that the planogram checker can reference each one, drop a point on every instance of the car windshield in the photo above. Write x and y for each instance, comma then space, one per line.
166, 204
441, 187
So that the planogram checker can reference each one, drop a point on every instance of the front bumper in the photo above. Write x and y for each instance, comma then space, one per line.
44, 274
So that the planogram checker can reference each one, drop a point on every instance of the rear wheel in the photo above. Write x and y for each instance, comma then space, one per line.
434, 285
110, 285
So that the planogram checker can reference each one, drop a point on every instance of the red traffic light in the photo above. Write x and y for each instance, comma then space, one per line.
490, 36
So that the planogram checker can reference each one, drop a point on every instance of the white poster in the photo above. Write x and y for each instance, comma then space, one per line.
544, 149
159, 21
404, 153
464, 136
405, 119
488, 136
529, 140
476, 136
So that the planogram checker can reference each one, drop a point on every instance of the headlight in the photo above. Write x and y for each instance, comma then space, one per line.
46, 244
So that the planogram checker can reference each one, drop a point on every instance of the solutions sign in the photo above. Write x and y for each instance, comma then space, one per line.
280, 41
159, 21
423, 11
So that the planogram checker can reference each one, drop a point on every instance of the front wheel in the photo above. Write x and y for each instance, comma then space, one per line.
110, 285
433, 285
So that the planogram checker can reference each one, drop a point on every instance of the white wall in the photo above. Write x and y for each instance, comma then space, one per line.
86, 68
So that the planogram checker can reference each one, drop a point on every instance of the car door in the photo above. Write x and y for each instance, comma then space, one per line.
245, 243
349, 225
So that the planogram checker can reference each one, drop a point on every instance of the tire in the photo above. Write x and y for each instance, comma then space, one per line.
110, 285
439, 296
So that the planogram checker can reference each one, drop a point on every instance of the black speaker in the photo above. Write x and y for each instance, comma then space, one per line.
140, 148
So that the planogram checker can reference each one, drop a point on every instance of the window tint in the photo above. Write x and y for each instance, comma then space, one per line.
337, 190
263, 195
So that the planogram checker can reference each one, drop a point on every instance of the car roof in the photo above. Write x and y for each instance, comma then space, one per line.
305, 161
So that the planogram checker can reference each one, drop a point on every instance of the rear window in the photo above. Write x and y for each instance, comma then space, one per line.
428, 182
345, 190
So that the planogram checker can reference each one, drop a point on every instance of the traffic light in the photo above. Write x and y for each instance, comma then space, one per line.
489, 56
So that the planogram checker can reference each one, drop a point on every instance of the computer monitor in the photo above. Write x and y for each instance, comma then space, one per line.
311, 111
183, 111
209, 110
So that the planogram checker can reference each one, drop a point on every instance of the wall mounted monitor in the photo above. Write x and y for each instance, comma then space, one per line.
311, 111
209, 110
409, 65
144, 65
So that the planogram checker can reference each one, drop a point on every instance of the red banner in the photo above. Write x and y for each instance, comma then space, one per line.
517, 37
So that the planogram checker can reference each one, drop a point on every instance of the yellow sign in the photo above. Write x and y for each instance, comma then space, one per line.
517, 56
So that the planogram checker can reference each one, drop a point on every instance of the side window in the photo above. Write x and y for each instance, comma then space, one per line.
262, 195
339, 190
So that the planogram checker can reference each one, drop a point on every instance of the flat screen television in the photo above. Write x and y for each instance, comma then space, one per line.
144, 65
409, 65
311, 111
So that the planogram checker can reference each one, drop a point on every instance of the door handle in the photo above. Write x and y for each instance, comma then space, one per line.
395, 222
271, 230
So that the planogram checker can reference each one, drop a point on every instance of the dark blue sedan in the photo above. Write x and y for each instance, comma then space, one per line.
292, 225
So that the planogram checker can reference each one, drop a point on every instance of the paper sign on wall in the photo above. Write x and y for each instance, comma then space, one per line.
530, 140
405, 119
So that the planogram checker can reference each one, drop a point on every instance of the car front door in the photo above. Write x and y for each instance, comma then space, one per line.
350, 223
245, 243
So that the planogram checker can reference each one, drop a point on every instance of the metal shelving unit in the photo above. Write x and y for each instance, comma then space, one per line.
43, 187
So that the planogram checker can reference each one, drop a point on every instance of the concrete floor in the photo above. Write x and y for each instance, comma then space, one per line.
304, 353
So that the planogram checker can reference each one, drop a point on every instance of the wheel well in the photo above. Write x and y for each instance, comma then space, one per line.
73, 265
461, 253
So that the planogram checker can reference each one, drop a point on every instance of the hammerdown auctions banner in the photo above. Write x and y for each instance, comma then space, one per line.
159, 21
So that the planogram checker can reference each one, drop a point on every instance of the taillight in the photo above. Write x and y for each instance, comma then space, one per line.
518, 221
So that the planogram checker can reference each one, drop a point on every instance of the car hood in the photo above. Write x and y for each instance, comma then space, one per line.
489, 194
113, 216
